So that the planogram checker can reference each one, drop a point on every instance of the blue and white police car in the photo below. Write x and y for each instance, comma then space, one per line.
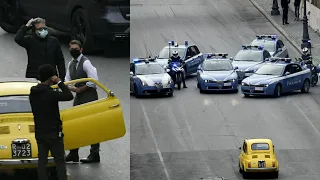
190, 53
249, 59
278, 76
273, 44
216, 73
147, 77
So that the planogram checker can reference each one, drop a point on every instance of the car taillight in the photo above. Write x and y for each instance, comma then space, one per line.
273, 164
249, 165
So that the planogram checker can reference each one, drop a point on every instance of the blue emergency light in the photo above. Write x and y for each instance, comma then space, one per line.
273, 37
140, 60
172, 43
252, 47
186, 43
279, 60
221, 55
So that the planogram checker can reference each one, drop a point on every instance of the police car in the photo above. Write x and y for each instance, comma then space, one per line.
249, 59
147, 77
216, 73
189, 53
278, 76
272, 44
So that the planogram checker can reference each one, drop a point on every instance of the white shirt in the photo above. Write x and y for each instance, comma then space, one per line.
88, 68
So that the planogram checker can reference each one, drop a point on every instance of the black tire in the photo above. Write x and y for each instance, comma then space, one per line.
276, 175
170, 95
81, 30
245, 175
136, 91
306, 86
10, 19
236, 91
277, 91
246, 95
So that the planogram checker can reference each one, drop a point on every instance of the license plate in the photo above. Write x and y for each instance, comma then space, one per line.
227, 84
248, 74
259, 88
21, 150
261, 164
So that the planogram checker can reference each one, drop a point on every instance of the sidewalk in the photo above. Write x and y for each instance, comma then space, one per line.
293, 31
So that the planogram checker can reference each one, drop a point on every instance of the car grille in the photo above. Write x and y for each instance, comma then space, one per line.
4, 130
267, 156
254, 156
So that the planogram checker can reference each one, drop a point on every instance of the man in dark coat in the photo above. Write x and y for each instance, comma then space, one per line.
81, 67
44, 102
41, 48
285, 8
296, 9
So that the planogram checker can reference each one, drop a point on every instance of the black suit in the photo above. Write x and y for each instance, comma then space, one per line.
285, 8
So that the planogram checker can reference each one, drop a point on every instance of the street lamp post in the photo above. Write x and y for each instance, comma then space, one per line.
305, 37
275, 8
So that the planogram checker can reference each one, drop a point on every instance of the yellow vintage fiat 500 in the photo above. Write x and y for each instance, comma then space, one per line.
86, 124
257, 155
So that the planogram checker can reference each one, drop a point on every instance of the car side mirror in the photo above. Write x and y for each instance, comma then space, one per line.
131, 73
235, 68
240, 148
287, 73
111, 93
231, 58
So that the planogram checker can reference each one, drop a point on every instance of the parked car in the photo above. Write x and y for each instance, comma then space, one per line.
96, 22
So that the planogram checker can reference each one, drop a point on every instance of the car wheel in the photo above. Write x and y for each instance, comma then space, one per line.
136, 91
81, 30
198, 85
277, 91
245, 175
170, 94
276, 175
306, 86
10, 16
246, 95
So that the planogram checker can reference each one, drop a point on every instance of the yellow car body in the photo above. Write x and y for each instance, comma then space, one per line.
257, 155
86, 124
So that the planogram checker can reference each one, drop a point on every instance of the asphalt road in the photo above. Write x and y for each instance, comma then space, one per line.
114, 154
196, 136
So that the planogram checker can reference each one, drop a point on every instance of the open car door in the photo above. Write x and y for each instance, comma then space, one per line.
93, 122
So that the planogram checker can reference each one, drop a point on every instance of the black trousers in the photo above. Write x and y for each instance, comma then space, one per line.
285, 14
55, 145
296, 11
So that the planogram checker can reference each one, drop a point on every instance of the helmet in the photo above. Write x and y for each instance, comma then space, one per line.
175, 53
305, 50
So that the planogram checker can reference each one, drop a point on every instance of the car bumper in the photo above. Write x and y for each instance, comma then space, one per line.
252, 90
111, 23
272, 169
152, 90
219, 87
22, 163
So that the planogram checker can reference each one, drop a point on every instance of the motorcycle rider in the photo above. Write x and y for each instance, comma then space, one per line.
176, 58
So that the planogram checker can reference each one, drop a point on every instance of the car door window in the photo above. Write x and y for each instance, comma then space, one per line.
193, 51
287, 69
196, 49
132, 69
278, 45
281, 44
266, 54
244, 148
96, 121
295, 68
189, 52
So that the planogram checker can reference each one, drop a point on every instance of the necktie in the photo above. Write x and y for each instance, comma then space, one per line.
73, 68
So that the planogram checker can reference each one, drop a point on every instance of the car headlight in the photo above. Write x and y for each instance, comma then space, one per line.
244, 84
231, 80
206, 81
144, 83
170, 81
263, 85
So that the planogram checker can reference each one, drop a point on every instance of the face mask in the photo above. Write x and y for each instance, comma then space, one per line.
43, 33
75, 53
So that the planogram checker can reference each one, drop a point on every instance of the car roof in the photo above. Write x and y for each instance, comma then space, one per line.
252, 141
272, 40
12, 88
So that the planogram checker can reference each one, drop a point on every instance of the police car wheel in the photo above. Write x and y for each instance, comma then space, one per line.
277, 91
246, 95
136, 91
170, 94
306, 86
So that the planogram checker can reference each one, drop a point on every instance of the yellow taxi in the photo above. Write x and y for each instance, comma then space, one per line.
86, 124
257, 155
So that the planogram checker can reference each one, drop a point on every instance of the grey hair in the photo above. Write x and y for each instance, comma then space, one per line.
39, 20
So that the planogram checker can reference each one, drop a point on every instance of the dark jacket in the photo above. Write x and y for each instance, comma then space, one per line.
45, 108
177, 59
41, 51
285, 3
297, 2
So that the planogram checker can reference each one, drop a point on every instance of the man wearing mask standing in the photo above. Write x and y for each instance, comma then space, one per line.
81, 67
41, 48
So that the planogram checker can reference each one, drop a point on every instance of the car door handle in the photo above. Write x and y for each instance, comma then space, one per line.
114, 106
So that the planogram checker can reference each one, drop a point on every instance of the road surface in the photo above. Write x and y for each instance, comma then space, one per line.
115, 157
196, 136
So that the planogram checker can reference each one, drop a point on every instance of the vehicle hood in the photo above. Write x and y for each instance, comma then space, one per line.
218, 75
244, 65
162, 62
155, 78
257, 79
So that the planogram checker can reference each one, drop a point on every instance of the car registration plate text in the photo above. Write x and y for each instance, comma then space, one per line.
21, 150
227, 84
258, 88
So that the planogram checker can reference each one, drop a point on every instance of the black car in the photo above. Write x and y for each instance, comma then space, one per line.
94, 22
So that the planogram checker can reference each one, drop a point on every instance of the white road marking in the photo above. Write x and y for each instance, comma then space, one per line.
154, 140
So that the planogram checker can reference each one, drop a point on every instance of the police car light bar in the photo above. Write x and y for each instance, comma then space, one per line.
252, 47
276, 59
209, 55
146, 60
266, 36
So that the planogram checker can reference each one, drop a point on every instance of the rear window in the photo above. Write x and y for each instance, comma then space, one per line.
14, 104
260, 146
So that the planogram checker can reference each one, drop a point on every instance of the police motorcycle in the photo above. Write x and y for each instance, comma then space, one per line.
306, 60
176, 72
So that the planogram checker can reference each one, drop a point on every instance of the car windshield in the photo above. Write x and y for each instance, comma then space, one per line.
249, 55
14, 104
270, 69
164, 53
214, 65
145, 69
268, 45
260, 146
